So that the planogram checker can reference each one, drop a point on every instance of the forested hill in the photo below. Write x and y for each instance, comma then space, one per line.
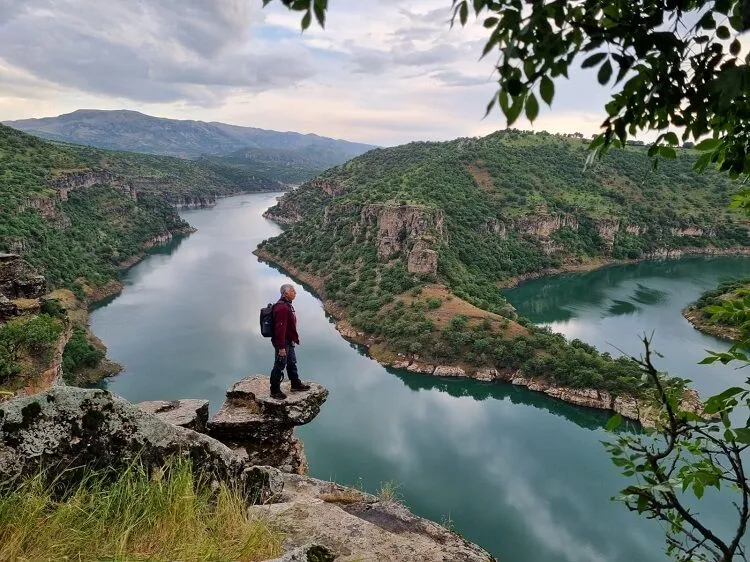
286, 157
77, 212
407, 241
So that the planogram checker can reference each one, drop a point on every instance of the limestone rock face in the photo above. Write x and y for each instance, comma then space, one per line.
65, 183
544, 226
422, 260
191, 414
487, 375
448, 371
260, 428
607, 229
18, 279
72, 427
398, 225
197, 202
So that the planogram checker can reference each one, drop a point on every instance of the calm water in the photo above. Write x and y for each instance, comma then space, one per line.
522, 475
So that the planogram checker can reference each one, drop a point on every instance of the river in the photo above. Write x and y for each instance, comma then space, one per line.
519, 473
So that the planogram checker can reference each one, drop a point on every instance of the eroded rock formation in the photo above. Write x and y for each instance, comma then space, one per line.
260, 428
65, 183
67, 427
398, 225
19, 280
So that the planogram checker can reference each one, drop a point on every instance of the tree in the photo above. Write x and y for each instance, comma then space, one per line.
676, 67
676, 63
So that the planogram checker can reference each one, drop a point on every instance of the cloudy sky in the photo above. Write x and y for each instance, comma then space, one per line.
383, 71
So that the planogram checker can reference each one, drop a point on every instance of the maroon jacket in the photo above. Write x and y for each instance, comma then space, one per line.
284, 324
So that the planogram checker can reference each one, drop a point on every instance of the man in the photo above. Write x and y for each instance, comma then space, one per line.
284, 338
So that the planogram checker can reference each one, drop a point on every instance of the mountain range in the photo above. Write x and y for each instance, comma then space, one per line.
288, 157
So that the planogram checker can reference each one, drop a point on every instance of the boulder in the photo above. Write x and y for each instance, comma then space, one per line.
191, 414
261, 428
66, 428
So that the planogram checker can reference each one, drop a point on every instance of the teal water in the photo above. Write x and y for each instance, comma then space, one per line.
522, 475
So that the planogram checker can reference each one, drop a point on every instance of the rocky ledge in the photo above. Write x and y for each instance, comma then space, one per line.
261, 428
257, 427
66, 429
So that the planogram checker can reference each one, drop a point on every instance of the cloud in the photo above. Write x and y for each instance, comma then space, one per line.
171, 50
380, 72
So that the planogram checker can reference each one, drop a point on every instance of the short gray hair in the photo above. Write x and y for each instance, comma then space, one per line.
285, 287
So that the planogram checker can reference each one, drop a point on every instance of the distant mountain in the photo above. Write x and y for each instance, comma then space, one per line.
136, 132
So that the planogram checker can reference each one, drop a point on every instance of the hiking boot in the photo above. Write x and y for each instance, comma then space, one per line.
299, 386
278, 395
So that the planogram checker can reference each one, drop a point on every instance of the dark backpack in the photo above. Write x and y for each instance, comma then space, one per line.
266, 321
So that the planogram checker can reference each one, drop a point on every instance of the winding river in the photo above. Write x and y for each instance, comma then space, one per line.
519, 473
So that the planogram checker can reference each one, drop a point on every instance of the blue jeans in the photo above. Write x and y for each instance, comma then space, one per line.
280, 363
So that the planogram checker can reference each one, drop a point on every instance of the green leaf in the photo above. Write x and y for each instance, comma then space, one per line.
743, 435
514, 110
532, 107
463, 13
614, 422
605, 72
671, 138
667, 152
698, 489
735, 48
593, 60
306, 20
722, 32
547, 90
708, 144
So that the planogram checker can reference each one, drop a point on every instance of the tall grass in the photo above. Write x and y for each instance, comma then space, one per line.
171, 515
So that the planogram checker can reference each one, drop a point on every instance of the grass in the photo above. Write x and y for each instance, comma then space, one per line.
170, 515
388, 492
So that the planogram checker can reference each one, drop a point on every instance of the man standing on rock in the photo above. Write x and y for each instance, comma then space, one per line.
284, 338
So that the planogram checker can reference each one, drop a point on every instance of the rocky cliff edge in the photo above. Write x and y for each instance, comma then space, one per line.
67, 428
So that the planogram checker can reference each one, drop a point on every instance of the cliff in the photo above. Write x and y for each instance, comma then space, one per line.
95, 430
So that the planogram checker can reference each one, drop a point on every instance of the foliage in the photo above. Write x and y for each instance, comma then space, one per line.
34, 336
487, 189
98, 227
80, 353
728, 304
170, 514
692, 452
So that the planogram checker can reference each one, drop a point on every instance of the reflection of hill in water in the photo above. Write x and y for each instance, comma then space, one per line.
587, 418
555, 298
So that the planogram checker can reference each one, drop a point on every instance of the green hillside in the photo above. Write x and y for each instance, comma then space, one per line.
406, 241
99, 225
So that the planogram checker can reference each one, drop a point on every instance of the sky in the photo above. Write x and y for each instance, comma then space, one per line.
383, 72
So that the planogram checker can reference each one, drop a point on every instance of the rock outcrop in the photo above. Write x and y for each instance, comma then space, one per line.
18, 280
190, 414
66, 428
545, 225
197, 202
422, 260
356, 526
66, 183
398, 226
260, 428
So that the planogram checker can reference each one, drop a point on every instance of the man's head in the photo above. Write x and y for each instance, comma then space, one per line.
288, 291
